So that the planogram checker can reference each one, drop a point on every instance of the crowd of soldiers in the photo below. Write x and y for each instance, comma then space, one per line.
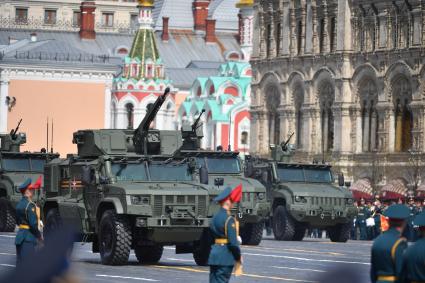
367, 224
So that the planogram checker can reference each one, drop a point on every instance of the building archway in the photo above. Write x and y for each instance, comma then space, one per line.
368, 96
129, 110
298, 97
272, 103
326, 101
402, 97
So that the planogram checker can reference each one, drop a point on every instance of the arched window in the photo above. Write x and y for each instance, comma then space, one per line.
333, 34
278, 35
272, 103
298, 102
299, 35
369, 96
322, 35
130, 115
327, 97
402, 94
268, 39
244, 138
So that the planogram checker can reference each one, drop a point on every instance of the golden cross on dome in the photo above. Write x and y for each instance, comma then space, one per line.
146, 3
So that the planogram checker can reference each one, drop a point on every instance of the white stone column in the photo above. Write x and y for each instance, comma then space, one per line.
343, 26
344, 130
264, 145
359, 132
271, 129
108, 108
325, 125
4, 92
121, 118
253, 137
309, 29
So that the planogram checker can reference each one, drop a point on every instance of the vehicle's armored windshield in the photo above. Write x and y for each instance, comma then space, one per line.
299, 174
129, 171
230, 165
15, 164
169, 172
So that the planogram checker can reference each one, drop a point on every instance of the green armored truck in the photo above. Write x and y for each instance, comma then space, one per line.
225, 169
121, 194
303, 196
15, 168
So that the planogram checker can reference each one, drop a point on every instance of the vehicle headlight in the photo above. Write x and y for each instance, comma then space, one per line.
300, 199
140, 199
349, 201
261, 196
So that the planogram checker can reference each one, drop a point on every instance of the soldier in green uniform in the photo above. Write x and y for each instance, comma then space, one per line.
388, 248
414, 259
225, 252
28, 234
362, 215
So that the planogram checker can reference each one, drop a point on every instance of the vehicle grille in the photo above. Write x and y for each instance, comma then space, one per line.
327, 201
159, 203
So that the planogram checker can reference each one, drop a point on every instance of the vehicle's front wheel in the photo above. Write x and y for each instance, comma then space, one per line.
202, 249
283, 224
114, 238
299, 232
7, 216
340, 232
252, 233
149, 254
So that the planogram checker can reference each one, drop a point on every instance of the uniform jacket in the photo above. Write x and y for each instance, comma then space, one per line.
387, 255
224, 254
26, 215
414, 263
363, 214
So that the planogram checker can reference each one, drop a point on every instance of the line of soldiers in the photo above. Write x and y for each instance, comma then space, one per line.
367, 224
392, 260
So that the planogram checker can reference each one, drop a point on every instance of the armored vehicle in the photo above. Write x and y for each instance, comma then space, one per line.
15, 168
121, 193
225, 169
303, 196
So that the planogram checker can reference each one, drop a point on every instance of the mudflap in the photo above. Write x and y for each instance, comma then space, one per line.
186, 248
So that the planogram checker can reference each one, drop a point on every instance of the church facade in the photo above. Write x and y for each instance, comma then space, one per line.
347, 77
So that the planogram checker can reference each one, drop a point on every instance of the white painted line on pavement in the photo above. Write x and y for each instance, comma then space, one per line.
308, 259
8, 236
127, 277
294, 268
169, 248
179, 259
7, 254
8, 265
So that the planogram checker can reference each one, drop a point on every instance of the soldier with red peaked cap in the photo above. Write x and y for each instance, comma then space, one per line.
225, 253
28, 234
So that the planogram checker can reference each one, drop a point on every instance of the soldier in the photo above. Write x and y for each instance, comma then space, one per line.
414, 258
362, 215
410, 232
388, 248
225, 253
28, 234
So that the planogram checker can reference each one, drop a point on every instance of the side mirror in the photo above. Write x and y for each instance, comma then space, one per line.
341, 180
265, 177
203, 175
249, 169
87, 176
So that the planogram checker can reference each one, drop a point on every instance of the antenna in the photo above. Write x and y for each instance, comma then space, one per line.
47, 139
51, 149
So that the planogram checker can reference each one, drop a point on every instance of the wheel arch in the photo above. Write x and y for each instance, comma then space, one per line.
107, 204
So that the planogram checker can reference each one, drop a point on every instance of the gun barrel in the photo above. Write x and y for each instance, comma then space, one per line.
195, 125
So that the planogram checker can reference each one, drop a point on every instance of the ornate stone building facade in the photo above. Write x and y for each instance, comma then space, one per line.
347, 77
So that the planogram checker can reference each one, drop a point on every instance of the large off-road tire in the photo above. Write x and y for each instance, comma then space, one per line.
53, 222
283, 224
202, 249
114, 238
252, 233
299, 232
149, 254
340, 232
7, 216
